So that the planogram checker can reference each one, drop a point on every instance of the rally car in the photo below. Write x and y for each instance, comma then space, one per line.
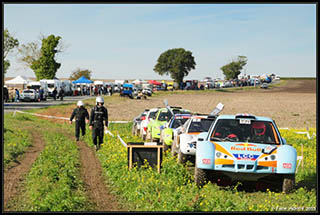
167, 131
185, 138
144, 123
163, 115
136, 126
245, 148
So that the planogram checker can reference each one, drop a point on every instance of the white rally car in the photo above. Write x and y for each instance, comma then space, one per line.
185, 138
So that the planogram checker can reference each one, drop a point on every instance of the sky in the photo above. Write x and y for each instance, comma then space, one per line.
124, 41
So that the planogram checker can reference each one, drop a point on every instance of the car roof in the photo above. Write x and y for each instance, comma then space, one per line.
258, 118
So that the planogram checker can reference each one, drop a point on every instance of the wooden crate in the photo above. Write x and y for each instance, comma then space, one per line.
140, 151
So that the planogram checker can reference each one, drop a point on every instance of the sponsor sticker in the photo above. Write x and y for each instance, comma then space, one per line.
206, 161
246, 156
287, 165
245, 121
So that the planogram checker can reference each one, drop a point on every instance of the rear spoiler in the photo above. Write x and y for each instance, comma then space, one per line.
217, 109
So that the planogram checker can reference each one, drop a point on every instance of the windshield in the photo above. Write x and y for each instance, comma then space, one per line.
252, 131
165, 116
200, 125
50, 85
178, 122
152, 115
28, 91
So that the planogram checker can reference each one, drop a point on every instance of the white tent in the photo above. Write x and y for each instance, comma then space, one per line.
18, 80
98, 82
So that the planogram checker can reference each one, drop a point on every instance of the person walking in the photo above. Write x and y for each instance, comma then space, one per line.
98, 114
54, 92
80, 113
61, 94
17, 96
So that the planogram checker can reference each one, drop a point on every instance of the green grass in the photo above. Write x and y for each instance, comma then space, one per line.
16, 140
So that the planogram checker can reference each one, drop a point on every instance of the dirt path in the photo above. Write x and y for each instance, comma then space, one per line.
91, 174
15, 175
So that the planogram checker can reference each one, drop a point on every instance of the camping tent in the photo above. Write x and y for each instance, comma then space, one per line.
18, 82
154, 82
82, 80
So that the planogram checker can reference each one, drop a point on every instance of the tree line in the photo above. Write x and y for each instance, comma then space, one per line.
40, 57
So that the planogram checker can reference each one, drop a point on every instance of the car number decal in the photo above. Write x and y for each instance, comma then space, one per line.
245, 121
287, 165
206, 161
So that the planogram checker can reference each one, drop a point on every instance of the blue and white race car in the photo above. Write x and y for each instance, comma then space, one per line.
245, 148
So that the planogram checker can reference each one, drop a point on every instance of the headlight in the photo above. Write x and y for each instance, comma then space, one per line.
223, 155
218, 154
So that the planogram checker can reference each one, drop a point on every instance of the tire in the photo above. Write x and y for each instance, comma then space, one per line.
165, 147
173, 149
200, 176
133, 130
288, 183
182, 158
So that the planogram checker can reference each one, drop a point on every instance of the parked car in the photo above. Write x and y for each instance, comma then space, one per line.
167, 131
264, 86
137, 122
29, 95
185, 138
151, 114
147, 91
245, 148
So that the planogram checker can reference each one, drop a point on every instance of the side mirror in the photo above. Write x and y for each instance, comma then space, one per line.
284, 141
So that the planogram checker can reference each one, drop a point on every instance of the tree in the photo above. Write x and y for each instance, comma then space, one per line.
29, 53
76, 74
176, 62
9, 44
233, 69
46, 67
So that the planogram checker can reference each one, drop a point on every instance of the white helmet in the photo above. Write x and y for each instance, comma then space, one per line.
80, 103
99, 99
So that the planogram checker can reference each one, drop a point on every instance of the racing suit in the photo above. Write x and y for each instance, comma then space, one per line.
81, 114
97, 115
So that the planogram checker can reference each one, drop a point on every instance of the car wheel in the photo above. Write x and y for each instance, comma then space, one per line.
182, 158
133, 130
288, 183
200, 176
165, 147
173, 149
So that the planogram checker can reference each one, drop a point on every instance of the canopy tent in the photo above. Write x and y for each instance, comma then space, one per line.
99, 83
154, 82
137, 81
18, 82
82, 80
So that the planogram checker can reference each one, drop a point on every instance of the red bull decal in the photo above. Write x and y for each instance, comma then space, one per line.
234, 148
246, 157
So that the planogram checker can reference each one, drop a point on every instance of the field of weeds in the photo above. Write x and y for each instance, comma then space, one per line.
54, 180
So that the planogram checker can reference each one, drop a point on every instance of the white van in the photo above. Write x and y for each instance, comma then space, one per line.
36, 85
52, 83
67, 87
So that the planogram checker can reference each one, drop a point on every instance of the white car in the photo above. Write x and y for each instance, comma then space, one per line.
184, 143
29, 95
144, 123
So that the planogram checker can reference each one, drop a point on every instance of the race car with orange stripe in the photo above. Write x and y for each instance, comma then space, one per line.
245, 148
185, 137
